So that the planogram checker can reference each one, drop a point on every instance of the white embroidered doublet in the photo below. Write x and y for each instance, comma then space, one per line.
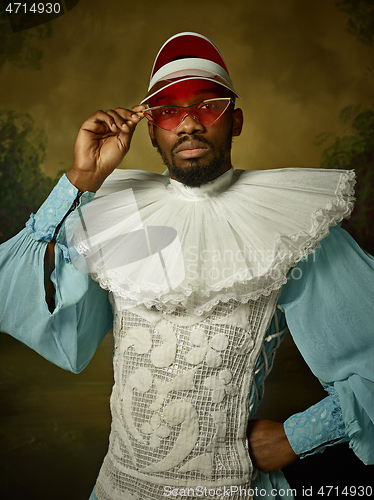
180, 402
186, 353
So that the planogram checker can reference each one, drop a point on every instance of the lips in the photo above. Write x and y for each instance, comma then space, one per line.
191, 146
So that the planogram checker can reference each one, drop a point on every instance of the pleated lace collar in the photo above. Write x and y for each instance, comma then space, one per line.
152, 241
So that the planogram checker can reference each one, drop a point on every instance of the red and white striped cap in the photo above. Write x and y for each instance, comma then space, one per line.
188, 56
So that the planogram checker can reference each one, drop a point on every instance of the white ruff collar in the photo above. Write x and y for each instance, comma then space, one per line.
151, 240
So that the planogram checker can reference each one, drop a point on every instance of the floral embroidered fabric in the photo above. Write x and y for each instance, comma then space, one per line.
321, 425
42, 226
180, 400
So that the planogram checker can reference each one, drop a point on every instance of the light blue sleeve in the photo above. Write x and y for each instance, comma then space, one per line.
308, 432
82, 316
328, 302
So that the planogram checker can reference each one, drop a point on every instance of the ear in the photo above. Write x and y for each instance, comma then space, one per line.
151, 133
237, 122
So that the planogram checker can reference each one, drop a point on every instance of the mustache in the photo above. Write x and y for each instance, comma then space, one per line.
190, 138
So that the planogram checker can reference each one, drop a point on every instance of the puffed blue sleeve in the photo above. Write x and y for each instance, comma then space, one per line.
70, 334
328, 302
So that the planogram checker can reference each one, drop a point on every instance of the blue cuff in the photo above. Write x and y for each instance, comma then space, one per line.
319, 426
43, 225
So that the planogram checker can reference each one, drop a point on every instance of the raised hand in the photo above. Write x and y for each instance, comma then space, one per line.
102, 142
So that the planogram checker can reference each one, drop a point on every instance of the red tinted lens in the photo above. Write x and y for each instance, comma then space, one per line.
169, 117
166, 117
209, 111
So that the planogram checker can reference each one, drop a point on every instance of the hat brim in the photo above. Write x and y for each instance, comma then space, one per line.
163, 84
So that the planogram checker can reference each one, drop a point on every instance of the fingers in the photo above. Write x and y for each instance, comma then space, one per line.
138, 109
124, 120
114, 120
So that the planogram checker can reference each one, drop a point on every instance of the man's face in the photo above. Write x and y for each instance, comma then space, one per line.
194, 153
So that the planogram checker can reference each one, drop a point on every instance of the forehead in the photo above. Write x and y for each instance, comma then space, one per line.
189, 92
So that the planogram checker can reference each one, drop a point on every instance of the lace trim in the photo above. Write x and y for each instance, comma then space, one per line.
168, 305
43, 225
321, 425
336, 413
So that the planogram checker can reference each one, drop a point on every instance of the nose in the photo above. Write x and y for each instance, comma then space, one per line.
189, 126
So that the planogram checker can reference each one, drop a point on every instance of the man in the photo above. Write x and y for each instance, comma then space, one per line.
199, 265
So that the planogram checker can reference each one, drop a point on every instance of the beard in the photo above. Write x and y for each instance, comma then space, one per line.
194, 173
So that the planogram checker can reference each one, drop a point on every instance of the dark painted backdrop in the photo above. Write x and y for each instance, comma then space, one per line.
296, 64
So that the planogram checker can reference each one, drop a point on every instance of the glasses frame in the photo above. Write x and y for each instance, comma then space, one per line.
228, 99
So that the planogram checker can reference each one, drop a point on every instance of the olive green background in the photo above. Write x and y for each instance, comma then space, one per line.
292, 61
295, 67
